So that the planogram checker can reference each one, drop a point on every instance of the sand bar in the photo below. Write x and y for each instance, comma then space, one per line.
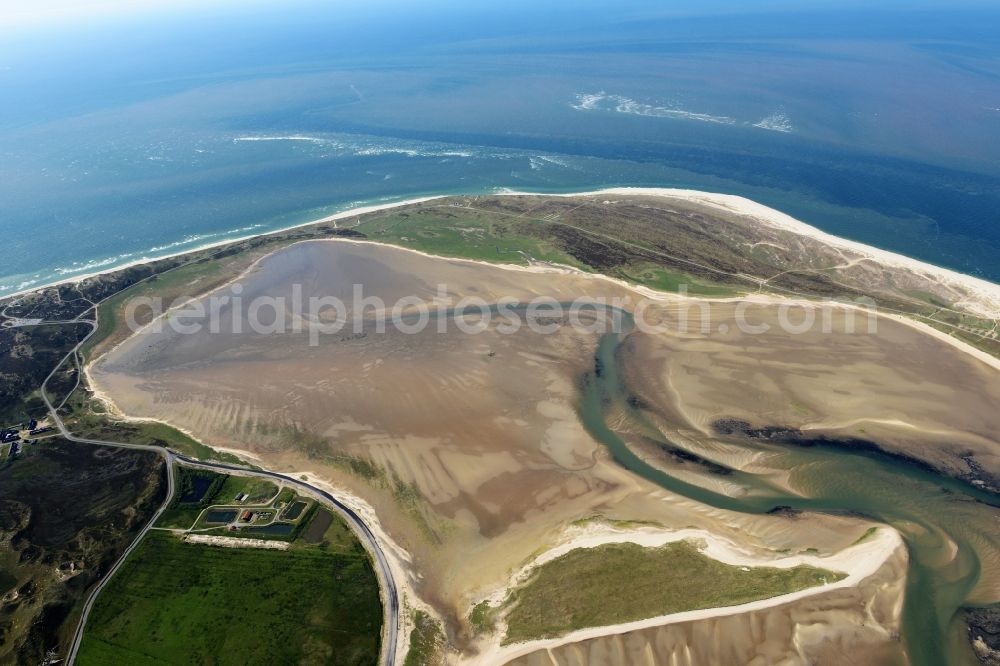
859, 562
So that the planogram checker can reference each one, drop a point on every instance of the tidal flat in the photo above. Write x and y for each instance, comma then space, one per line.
476, 448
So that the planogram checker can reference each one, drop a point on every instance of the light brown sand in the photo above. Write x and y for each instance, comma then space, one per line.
468, 447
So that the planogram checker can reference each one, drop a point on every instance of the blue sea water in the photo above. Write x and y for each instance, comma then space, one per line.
140, 135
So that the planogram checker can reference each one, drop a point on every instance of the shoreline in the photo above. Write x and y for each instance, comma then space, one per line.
361, 210
976, 289
859, 561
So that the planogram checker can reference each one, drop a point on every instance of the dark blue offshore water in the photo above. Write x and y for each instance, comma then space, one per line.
139, 135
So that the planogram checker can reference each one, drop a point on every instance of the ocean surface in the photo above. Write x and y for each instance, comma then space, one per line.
149, 134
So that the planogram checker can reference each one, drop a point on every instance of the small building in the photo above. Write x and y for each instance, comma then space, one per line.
247, 516
241, 498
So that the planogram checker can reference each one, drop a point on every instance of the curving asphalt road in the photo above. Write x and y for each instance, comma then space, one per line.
391, 605
388, 586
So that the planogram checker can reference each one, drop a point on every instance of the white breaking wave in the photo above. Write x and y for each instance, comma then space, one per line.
539, 162
776, 122
366, 147
91, 266
77, 267
604, 102
410, 152
195, 238
293, 137
585, 102
360, 145
549, 159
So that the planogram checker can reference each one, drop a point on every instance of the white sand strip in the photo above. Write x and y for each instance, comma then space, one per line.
236, 542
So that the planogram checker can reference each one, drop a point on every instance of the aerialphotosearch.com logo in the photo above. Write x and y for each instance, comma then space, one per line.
318, 316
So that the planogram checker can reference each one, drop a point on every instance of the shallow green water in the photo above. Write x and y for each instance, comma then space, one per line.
928, 509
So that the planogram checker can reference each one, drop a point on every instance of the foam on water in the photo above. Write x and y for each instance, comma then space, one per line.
294, 137
370, 146
776, 122
603, 102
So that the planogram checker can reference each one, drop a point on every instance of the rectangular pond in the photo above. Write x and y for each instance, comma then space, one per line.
220, 516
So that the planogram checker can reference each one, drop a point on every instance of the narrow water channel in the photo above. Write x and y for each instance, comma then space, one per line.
931, 511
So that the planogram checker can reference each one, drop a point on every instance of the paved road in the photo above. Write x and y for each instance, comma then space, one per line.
387, 582
371, 543
92, 597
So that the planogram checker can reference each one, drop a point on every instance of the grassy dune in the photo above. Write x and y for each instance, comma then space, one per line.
616, 583
426, 641
498, 234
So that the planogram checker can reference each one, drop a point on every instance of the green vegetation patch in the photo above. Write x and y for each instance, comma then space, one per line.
179, 603
457, 231
196, 490
482, 617
870, 532
615, 583
258, 491
673, 281
426, 640
516, 230
284, 497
